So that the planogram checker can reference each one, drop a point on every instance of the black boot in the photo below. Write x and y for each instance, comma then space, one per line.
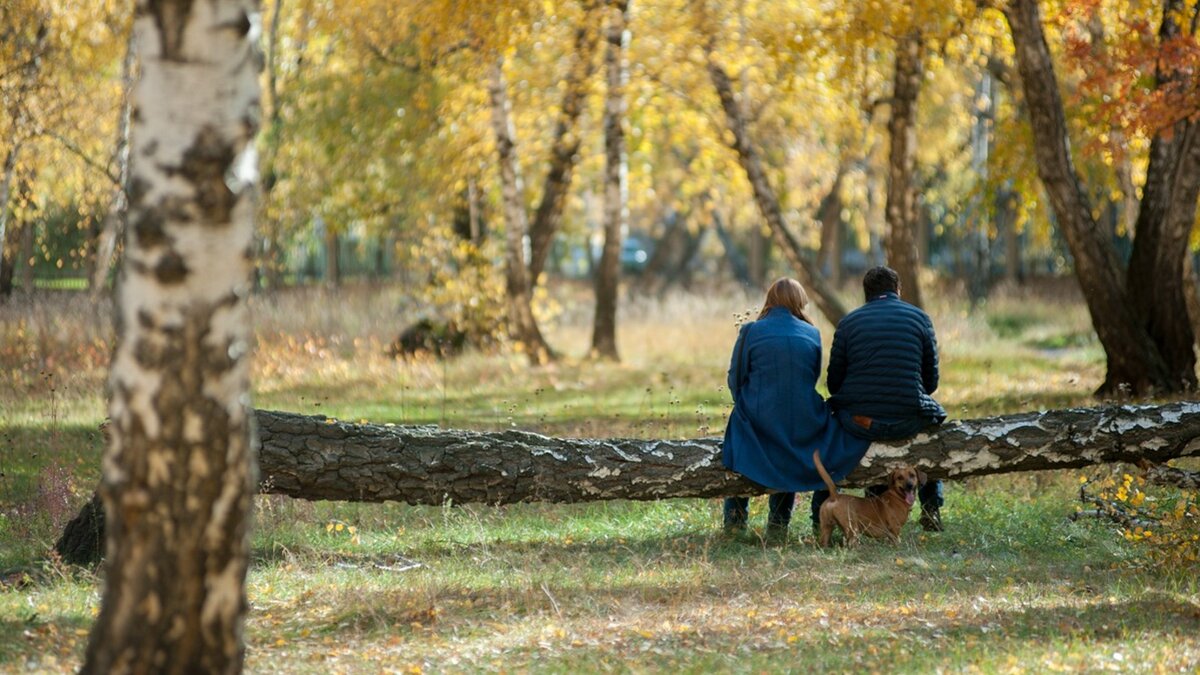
931, 520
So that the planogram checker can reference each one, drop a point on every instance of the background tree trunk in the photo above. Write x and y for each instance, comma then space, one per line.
1163, 226
564, 151
733, 255
6, 180
522, 325
333, 267
114, 219
758, 256
823, 294
829, 215
616, 190
1133, 358
901, 210
178, 474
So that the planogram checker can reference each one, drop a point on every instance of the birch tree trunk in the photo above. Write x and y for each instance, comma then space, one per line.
522, 326
1133, 358
608, 274
764, 196
178, 474
901, 210
114, 220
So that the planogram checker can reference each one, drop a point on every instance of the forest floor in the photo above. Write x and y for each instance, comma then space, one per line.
1012, 585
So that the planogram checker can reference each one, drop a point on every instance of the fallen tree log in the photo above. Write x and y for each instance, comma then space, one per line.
315, 458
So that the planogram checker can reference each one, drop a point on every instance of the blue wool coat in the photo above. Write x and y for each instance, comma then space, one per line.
883, 363
778, 417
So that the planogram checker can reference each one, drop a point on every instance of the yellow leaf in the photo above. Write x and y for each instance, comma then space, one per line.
340, 527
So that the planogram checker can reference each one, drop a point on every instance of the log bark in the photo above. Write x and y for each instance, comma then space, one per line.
768, 203
313, 458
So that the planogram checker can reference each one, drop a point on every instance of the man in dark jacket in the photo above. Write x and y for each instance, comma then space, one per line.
883, 366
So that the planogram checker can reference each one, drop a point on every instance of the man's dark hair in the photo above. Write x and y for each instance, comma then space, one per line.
880, 280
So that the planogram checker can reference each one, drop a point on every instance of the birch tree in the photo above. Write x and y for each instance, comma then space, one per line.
178, 472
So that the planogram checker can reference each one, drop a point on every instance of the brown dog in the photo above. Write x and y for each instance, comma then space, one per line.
880, 516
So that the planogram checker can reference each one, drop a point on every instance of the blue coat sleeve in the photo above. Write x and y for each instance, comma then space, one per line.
737, 369
929, 358
837, 363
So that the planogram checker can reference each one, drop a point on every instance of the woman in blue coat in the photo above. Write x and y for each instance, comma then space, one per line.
778, 417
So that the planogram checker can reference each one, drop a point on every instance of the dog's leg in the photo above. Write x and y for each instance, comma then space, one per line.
826, 531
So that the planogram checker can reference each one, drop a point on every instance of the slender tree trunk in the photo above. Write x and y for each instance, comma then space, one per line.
333, 266
178, 473
616, 190
24, 259
768, 204
268, 246
475, 212
1006, 223
829, 215
6, 181
10, 247
114, 219
522, 325
759, 255
741, 267
673, 232
901, 210
564, 151
1133, 358
24, 239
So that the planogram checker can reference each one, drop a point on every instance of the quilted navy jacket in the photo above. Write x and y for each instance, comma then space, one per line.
884, 363
778, 418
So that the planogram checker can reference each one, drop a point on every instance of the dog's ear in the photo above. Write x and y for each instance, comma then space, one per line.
922, 477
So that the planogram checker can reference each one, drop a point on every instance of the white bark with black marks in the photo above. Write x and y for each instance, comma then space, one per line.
178, 474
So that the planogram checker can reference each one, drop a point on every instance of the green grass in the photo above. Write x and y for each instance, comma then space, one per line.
1011, 585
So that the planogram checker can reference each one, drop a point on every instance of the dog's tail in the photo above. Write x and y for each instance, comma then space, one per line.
824, 474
